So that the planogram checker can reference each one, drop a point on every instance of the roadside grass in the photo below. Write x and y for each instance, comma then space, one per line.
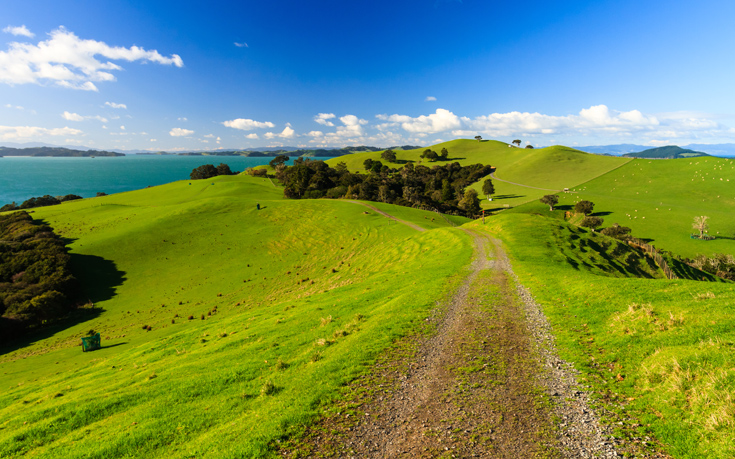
660, 353
257, 318
659, 199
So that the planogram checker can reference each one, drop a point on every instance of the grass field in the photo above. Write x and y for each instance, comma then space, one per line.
287, 304
660, 353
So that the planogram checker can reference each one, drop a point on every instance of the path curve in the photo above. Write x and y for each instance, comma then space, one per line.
387, 215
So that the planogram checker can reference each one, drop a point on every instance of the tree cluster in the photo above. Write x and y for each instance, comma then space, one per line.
208, 171
46, 200
719, 264
36, 284
438, 187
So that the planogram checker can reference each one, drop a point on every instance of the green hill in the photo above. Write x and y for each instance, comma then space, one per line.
668, 152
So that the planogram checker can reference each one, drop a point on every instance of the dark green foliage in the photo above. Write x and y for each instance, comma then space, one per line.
584, 207
69, 197
478, 137
444, 155
389, 155
36, 284
550, 200
719, 264
591, 222
280, 159
204, 171
430, 155
616, 231
413, 186
224, 169
668, 152
368, 163
101, 193
46, 200
488, 188
9, 207
529, 146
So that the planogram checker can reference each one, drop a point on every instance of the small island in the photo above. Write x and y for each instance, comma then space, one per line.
54, 152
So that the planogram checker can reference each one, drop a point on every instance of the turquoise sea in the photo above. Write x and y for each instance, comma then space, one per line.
25, 177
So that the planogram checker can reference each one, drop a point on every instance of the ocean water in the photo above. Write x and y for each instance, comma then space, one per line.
25, 177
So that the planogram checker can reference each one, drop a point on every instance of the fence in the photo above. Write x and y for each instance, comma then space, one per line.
651, 251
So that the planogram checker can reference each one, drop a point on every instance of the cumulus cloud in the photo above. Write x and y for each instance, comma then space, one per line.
287, 133
22, 30
323, 118
114, 105
33, 132
76, 117
68, 61
253, 136
245, 124
179, 132
439, 121
430, 99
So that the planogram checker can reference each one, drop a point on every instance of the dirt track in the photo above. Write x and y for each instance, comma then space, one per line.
486, 383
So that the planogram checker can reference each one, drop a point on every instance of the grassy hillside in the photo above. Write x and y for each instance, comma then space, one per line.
286, 304
659, 352
542, 170
659, 200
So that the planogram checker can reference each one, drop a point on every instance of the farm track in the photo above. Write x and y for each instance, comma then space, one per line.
485, 383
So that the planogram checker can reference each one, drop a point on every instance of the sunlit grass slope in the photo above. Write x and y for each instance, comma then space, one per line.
542, 169
662, 351
287, 303
659, 199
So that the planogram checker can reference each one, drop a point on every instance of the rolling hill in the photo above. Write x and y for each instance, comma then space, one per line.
668, 152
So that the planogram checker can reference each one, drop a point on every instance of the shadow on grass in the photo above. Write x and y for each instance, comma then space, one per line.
99, 279
600, 214
508, 196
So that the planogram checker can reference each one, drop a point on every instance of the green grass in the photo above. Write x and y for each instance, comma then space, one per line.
297, 299
658, 350
659, 199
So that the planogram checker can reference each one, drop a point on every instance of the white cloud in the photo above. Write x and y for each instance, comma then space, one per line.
241, 45
252, 136
179, 132
154, 140
430, 99
68, 61
122, 128
209, 136
32, 132
322, 118
441, 120
287, 133
114, 105
315, 134
22, 30
248, 124
182, 119
76, 117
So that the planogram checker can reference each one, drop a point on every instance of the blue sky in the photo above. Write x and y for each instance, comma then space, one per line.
186, 75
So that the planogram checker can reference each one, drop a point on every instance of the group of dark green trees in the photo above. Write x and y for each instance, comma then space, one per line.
36, 284
46, 200
206, 171
442, 188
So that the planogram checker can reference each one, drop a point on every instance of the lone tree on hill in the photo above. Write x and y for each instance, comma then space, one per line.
591, 222
203, 172
478, 137
550, 200
584, 207
488, 188
700, 224
389, 155
529, 146
618, 232
444, 155
517, 142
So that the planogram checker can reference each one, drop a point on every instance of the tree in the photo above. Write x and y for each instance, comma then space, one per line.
444, 155
223, 169
376, 167
618, 232
367, 164
389, 155
203, 172
478, 137
584, 207
550, 200
488, 188
700, 224
280, 159
591, 222
517, 142
341, 167
447, 191
430, 155
469, 203
101, 193
529, 146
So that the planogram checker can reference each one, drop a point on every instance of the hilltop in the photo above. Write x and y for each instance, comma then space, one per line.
53, 151
668, 152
